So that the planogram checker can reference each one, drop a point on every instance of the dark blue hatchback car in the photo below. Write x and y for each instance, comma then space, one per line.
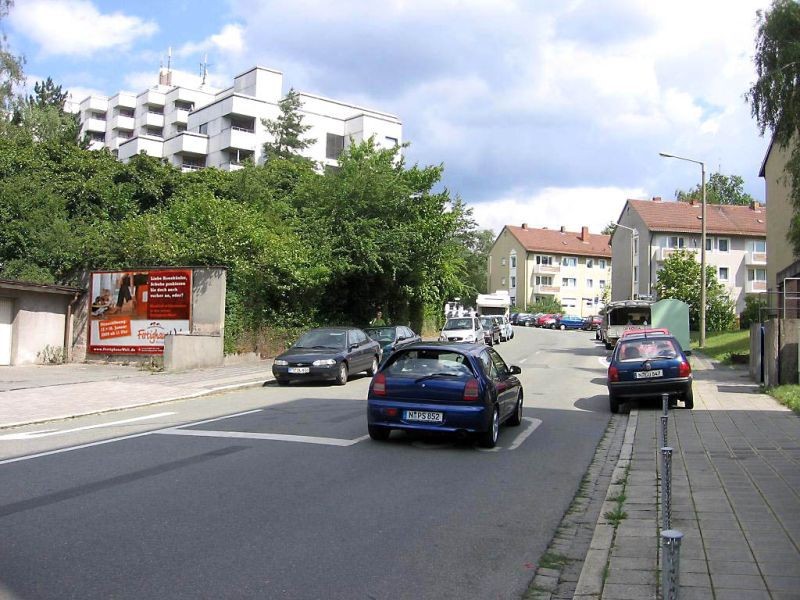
445, 387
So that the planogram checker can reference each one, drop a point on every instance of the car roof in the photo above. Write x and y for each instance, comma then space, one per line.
462, 348
333, 328
647, 336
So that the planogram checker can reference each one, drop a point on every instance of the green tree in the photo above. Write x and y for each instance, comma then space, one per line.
679, 278
10, 68
47, 93
609, 229
720, 189
477, 245
775, 96
287, 130
546, 305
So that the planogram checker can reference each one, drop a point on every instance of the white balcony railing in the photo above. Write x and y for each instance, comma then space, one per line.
187, 143
238, 137
755, 287
546, 289
756, 258
665, 253
539, 269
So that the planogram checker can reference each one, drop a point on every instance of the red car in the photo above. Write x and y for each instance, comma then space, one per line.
592, 323
546, 320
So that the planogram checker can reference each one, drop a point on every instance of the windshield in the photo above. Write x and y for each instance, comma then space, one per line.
458, 324
334, 340
630, 316
427, 363
487, 323
381, 334
648, 349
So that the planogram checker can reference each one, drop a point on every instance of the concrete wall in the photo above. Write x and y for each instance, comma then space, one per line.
781, 339
208, 300
38, 321
755, 352
771, 352
779, 217
184, 352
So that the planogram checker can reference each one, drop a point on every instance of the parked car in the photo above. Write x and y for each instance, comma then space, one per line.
529, 320
506, 330
649, 365
546, 320
391, 337
462, 329
491, 330
328, 353
592, 323
444, 387
630, 332
567, 322
512, 318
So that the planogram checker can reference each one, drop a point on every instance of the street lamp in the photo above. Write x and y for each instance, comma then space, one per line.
634, 234
702, 243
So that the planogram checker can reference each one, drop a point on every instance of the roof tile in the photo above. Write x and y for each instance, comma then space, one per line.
558, 242
685, 217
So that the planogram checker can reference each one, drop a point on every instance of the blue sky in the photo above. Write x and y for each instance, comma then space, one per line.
552, 113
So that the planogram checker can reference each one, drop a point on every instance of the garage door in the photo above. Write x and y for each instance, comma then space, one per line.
6, 315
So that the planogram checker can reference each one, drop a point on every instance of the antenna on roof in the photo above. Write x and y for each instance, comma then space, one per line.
165, 77
204, 69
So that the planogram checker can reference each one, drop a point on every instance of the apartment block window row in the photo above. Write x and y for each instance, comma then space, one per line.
544, 280
723, 273
544, 260
569, 282
717, 244
569, 261
334, 146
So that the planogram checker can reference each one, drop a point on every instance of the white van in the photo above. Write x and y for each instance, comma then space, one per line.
462, 329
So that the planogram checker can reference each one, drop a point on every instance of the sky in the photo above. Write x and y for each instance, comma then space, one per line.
549, 113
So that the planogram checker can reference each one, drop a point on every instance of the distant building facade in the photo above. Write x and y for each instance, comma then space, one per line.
535, 264
736, 245
197, 127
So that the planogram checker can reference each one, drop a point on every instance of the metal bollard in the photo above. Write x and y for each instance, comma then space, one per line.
665, 403
664, 428
670, 563
666, 488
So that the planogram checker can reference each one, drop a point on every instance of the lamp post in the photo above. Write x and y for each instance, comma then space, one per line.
702, 243
634, 234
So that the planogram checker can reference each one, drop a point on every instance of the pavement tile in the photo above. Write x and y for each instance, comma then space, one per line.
631, 576
689, 579
725, 594
779, 568
728, 553
624, 591
783, 584
693, 565
696, 593
737, 581
722, 567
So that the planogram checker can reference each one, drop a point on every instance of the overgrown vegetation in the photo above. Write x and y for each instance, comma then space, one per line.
721, 345
788, 395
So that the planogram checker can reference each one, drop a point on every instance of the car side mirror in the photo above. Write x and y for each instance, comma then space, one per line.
514, 370
353, 346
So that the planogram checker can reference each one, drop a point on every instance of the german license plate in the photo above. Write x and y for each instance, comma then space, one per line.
649, 374
423, 416
298, 370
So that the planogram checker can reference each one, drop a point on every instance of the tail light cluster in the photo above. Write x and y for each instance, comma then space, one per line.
684, 369
379, 385
471, 390
613, 373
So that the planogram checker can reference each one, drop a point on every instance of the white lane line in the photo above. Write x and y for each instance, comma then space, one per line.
603, 361
276, 437
29, 435
532, 425
112, 440
523, 360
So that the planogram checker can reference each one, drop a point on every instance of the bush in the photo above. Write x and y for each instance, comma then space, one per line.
752, 310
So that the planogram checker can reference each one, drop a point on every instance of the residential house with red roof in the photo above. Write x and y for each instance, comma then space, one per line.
538, 263
651, 230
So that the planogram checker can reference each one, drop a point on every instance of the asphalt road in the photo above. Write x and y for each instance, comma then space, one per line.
278, 493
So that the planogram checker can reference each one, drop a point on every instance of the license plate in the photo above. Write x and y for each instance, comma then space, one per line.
298, 370
649, 374
423, 416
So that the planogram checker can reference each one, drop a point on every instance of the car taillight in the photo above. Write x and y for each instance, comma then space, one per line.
613, 373
379, 385
684, 370
471, 391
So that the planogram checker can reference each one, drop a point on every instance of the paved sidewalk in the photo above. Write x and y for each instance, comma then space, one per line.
36, 393
735, 496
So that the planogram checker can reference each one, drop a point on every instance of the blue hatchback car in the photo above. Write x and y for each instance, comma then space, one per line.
446, 387
645, 365
567, 322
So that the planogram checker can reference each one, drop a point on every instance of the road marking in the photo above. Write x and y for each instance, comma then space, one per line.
276, 437
523, 360
603, 361
30, 435
112, 440
532, 425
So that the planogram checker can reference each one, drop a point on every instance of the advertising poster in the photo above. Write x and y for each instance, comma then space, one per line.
132, 311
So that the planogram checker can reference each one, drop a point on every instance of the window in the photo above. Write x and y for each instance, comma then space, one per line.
636, 245
569, 303
390, 141
636, 273
184, 105
544, 280
709, 244
723, 244
589, 263
589, 283
759, 245
544, 260
513, 260
180, 127
334, 145
601, 263
676, 242
513, 281
203, 129
756, 274
569, 261
723, 273
503, 261
569, 282
602, 284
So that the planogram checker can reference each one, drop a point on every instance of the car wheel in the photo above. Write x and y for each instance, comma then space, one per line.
688, 400
282, 381
608, 346
378, 433
488, 439
341, 378
613, 403
516, 418
373, 367
562, 327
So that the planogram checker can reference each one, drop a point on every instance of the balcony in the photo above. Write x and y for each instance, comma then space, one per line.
756, 258
237, 137
664, 253
755, 287
546, 269
152, 97
124, 100
149, 145
94, 125
187, 143
181, 116
546, 289
123, 123
150, 119
241, 106
95, 104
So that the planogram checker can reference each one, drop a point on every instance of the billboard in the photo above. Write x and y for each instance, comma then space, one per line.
132, 311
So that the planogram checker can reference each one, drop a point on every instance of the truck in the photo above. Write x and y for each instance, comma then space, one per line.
497, 305
622, 315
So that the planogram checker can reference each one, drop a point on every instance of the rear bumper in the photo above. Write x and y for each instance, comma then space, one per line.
472, 418
642, 389
314, 373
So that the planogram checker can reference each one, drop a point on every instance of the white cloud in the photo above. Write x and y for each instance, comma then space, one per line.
553, 207
228, 41
76, 27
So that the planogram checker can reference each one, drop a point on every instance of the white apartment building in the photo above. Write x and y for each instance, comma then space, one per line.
201, 127
736, 245
535, 264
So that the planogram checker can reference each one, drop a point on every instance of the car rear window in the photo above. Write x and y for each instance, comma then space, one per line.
421, 362
644, 348
466, 323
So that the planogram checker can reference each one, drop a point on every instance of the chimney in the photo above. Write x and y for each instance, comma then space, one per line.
656, 198
563, 229
754, 205
692, 202
584, 233
524, 225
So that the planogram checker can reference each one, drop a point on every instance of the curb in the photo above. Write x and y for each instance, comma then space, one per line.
204, 392
590, 582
